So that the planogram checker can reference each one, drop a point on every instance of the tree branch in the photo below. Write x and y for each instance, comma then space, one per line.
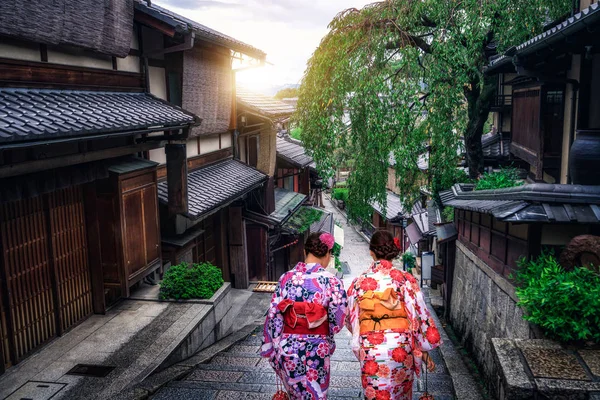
414, 40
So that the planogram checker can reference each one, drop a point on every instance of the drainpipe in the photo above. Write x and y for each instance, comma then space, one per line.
575, 90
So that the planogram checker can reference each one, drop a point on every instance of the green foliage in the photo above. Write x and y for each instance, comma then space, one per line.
409, 260
448, 214
303, 219
505, 178
397, 76
196, 281
286, 93
340, 193
296, 133
565, 304
342, 184
336, 251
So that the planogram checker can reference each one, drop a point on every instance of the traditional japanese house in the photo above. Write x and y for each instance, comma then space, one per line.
554, 79
79, 222
296, 170
204, 221
272, 246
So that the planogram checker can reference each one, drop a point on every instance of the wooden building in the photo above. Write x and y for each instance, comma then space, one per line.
79, 222
552, 118
296, 170
204, 222
272, 248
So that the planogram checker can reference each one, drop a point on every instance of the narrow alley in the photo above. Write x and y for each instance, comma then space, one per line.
240, 373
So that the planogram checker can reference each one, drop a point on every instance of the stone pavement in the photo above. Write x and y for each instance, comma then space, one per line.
240, 373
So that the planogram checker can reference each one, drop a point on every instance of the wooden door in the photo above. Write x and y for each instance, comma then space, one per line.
29, 318
141, 236
70, 256
257, 257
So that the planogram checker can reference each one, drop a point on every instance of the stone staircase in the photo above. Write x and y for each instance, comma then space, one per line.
240, 373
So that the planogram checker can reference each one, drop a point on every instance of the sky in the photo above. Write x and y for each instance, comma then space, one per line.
289, 31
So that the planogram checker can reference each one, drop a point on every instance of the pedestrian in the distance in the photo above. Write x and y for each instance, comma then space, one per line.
392, 330
307, 309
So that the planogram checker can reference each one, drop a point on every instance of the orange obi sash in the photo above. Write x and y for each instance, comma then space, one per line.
304, 318
380, 311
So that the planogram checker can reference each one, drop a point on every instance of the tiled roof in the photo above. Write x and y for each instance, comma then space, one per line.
36, 114
204, 32
263, 105
216, 186
394, 209
538, 202
581, 20
286, 202
293, 152
490, 143
325, 224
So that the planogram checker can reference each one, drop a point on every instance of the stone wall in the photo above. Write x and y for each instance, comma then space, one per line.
483, 306
213, 325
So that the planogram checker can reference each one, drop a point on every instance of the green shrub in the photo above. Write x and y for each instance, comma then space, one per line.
505, 178
448, 214
303, 219
196, 281
565, 304
409, 260
340, 194
296, 133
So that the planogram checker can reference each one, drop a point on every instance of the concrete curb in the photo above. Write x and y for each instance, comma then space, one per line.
154, 382
465, 386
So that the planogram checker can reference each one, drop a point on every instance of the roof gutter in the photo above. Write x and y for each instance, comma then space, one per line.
586, 21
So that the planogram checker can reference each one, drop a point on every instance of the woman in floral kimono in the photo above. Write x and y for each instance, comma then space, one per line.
392, 330
307, 309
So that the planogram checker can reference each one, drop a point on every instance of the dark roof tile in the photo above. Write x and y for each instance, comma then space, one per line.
36, 114
263, 105
216, 185
293, 152
529, 203
204, 32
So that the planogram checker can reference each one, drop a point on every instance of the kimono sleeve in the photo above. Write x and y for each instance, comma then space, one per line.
273, 327
427, 336
337, 306
352, 319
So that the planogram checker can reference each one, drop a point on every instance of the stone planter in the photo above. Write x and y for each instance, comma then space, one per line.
212, 324
543, 369
584, 158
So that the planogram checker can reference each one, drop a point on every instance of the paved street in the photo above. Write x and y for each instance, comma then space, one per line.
240, 373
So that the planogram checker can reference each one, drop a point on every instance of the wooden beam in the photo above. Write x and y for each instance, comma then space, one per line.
60, 76
43, 165
177, 172
154, 23
238, 256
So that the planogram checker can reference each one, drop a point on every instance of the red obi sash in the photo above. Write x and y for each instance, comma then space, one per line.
304, 318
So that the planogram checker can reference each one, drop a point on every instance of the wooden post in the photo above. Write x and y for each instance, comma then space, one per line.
94, 250
269, 191
237, 249
177, 178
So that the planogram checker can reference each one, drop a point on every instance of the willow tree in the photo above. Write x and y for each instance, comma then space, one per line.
403, 77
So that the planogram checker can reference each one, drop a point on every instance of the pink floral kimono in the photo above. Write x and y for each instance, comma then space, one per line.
307, 309
391, 327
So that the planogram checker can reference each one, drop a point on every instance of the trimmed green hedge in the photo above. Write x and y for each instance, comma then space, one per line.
565, 304
196, 281
340, 194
